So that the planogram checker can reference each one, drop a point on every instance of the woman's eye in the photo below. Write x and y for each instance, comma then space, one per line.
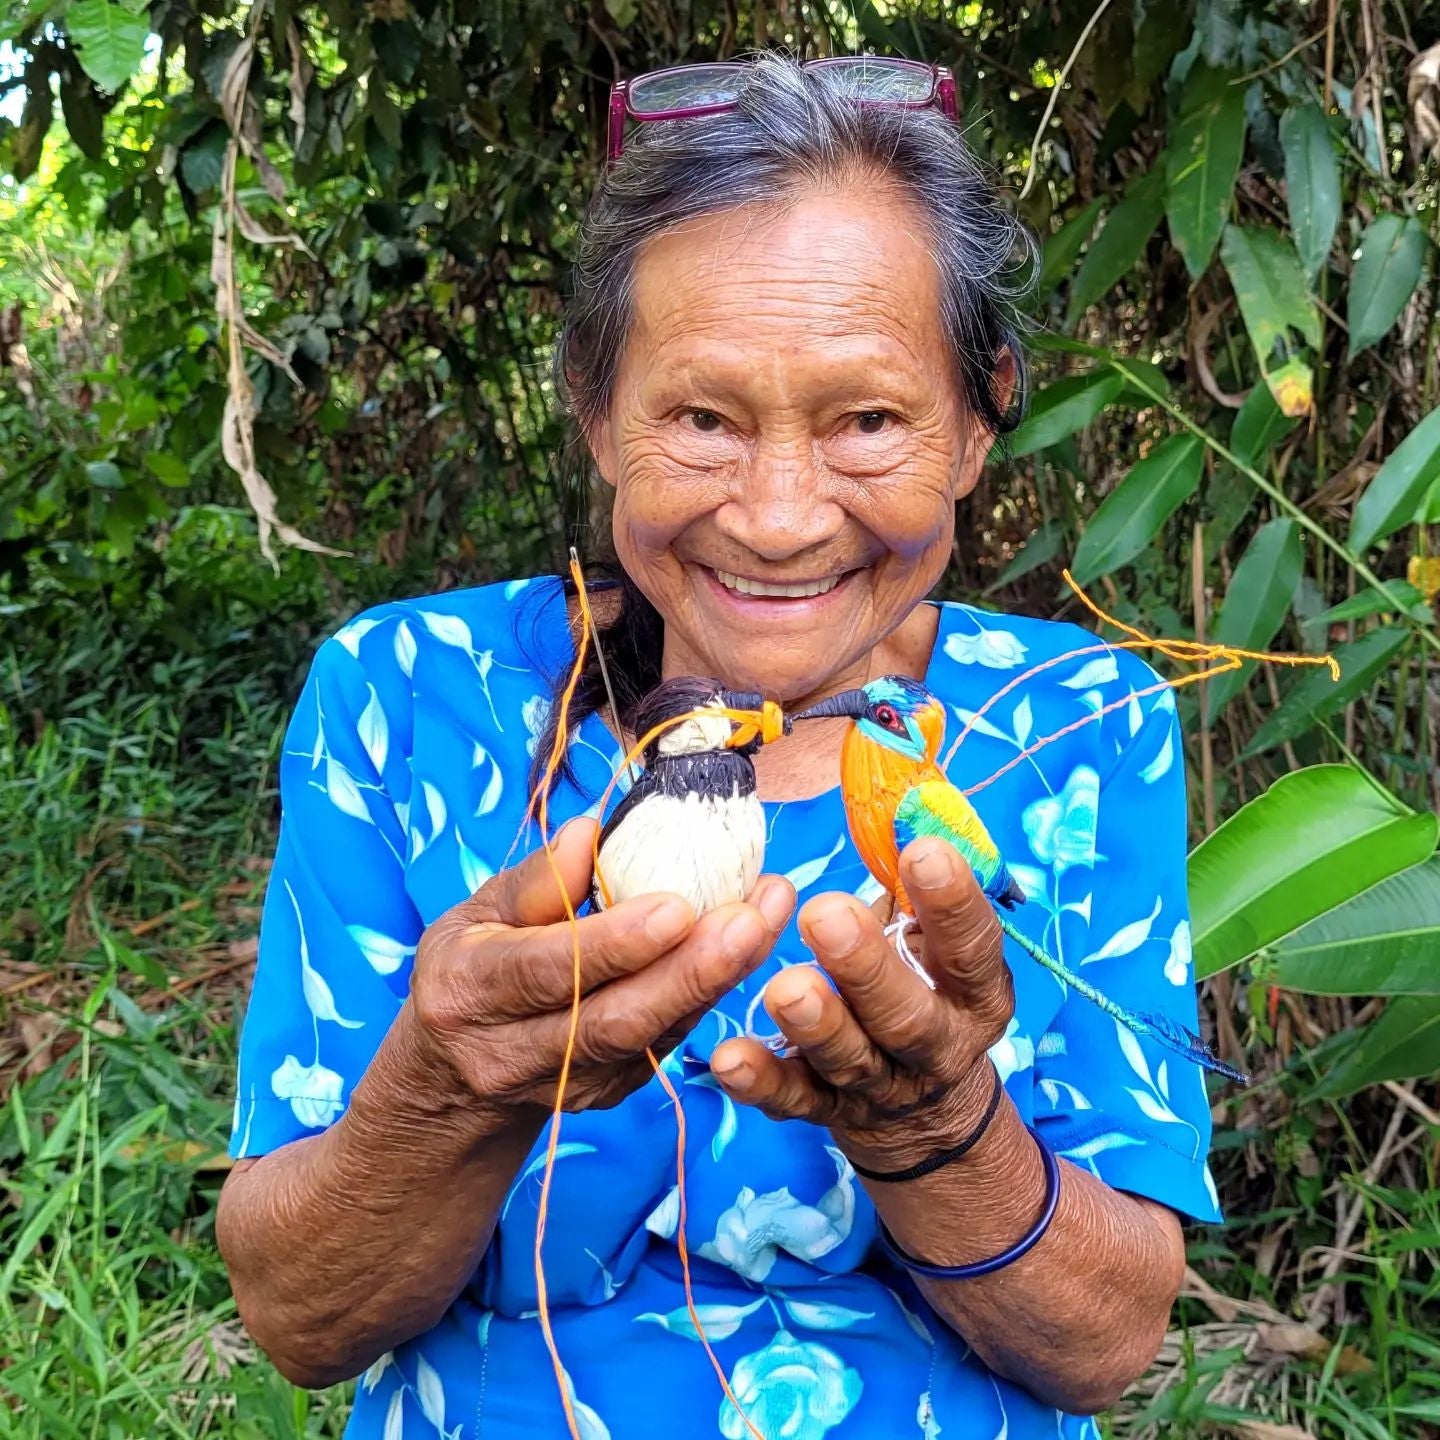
707, 422
873, 422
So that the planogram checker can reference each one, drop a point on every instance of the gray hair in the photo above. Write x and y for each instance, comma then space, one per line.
795, 128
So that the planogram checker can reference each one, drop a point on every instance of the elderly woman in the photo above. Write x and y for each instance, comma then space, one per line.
789, 350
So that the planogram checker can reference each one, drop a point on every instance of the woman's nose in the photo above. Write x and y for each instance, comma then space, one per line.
781, 505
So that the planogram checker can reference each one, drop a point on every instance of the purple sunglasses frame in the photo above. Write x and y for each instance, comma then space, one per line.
942, 94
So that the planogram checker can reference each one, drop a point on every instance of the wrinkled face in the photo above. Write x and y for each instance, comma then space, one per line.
787, 438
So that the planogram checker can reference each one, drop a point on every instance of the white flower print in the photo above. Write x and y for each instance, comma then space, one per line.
535, 712
750, 1234
798, 1389
1177, 964
994, 649
312, 1090
1061, 828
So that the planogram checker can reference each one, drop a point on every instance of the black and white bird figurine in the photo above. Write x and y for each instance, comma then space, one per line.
691, 824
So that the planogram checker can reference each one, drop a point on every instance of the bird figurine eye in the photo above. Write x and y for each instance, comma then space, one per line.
888, 718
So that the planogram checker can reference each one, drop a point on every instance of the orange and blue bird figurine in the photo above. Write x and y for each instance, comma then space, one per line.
895, 792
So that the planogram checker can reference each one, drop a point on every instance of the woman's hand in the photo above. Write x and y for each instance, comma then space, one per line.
494, 978
896, 1070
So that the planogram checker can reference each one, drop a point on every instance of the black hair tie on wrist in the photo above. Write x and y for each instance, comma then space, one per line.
944, 1157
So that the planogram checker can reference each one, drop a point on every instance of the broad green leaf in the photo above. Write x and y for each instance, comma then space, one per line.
106, 474
1274, 300
1130, 516
1386, 941
1064, 245
111, 37
203, 159
1259, 425
1387, 270
1256, 603
1401, 1044
1063, 408
1201, 163
1402, 596
1316, 695
168, 469
1229, 497
1114, 252
1312, 182
1402, 482
1316, 838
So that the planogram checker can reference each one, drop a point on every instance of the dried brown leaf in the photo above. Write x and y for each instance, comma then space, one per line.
254, 231
1422, 93
1306, 1343
301, 71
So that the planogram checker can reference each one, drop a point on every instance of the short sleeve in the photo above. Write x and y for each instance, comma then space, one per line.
1129, 1110
338, 931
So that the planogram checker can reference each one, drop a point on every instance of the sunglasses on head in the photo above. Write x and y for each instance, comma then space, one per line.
683, 92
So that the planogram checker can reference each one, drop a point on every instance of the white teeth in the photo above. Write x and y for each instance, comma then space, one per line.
806, 588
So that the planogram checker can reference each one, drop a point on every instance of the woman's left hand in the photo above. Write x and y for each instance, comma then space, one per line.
896, 1070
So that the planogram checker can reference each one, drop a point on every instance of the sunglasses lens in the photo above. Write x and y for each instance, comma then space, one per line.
694, 85
868, 77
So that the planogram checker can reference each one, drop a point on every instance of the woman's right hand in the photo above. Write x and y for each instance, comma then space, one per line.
494, 978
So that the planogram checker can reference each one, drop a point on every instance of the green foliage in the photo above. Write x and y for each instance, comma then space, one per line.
1202, 161
1316, 837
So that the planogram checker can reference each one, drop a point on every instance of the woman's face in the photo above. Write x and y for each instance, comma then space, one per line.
787, 439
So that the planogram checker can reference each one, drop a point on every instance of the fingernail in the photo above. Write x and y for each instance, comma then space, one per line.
775, 903
736, 1075
803, 1011
933, 867
837, 930
741, 933
668, 921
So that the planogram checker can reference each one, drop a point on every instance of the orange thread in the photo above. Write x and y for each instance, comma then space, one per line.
542, 809
1229, 657
767, 719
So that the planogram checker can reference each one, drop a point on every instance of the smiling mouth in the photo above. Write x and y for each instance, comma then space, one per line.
795, 590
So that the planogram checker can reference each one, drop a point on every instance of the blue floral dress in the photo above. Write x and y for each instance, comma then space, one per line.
403, 785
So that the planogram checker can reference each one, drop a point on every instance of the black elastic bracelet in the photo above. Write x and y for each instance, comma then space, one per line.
1023, 1246
937, 1162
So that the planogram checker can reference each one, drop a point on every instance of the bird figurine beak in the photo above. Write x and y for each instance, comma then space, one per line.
848, 703
765, 722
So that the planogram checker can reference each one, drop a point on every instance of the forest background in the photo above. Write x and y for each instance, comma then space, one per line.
277, 287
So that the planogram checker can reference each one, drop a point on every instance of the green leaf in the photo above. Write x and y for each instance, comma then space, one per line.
1316, 838
1312, 182
1401, 1044
83, 116
1119, 245
1274, 300
168, 469
1256, 603
1315, 695
1373, 601
1387, 270
1259, 425
1063, 408
105, 474
111, 38
202, 160
1130, 517
1064, 245
1201, 163
1383, 942
1402, 482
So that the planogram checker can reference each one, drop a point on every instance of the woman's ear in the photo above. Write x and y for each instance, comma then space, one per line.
981, 438
600, 440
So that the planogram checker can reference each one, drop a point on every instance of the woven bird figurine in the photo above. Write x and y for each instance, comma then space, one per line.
895, 792
691, 824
